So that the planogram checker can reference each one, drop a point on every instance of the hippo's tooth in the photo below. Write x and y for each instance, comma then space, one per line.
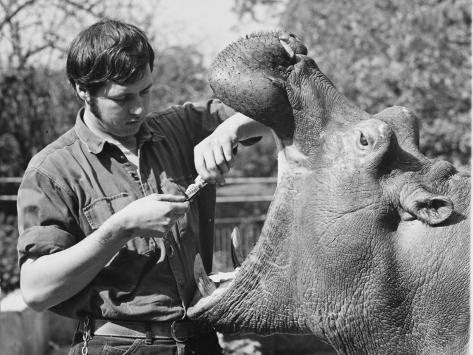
237, 256
285, 43
222, 277
208, 284
162, 249
204, 284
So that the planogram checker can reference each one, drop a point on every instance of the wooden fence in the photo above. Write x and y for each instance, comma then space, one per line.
250, 230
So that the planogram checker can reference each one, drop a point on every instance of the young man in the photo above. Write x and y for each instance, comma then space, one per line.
106, 233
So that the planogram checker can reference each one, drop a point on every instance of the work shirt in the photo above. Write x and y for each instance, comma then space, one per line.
77, 182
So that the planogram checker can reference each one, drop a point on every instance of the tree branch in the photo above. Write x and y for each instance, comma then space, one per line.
9, 16
80, 6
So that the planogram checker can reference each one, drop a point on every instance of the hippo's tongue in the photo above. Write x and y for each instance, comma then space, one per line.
249, 76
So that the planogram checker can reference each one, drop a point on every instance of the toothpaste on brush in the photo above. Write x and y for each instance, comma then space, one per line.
194, 189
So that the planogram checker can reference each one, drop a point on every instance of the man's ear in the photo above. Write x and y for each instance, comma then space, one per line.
82, 92
425, 206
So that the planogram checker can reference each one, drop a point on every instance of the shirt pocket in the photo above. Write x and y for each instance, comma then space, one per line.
100, 209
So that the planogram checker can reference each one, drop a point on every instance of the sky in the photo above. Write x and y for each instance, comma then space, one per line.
209, 23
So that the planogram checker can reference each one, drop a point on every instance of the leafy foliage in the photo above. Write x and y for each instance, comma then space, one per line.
37, 106
180, 76
258, 160
9, 272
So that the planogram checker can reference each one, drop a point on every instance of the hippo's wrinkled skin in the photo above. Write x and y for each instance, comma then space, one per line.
366, 242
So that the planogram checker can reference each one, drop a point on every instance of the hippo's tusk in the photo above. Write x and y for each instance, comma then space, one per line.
237, 255
162, 248
285, 43
205, 286
222, 277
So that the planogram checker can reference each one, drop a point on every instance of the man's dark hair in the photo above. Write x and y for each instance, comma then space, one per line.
108, 50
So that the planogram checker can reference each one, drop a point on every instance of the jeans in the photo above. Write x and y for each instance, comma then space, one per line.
206, 344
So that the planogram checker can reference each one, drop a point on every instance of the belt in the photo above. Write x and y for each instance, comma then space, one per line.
179, 330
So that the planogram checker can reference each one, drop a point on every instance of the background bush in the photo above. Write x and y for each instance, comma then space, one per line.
9, 275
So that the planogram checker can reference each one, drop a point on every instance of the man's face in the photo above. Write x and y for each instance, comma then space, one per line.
119, 110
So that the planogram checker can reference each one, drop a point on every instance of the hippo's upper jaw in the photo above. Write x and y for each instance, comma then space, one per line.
249, 76
268, 77
366, 241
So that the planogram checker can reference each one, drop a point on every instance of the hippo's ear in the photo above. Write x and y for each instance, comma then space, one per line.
425, 206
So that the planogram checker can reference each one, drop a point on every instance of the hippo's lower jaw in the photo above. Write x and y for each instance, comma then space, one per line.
239, 301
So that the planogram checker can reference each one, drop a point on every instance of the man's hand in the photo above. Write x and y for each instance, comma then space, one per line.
151, 214
213, 157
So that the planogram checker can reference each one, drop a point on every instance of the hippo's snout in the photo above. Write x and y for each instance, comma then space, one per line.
250, 76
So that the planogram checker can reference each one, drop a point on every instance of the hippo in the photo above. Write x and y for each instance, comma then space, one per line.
366, 241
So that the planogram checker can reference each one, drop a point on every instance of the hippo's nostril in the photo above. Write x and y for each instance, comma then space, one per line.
363, 140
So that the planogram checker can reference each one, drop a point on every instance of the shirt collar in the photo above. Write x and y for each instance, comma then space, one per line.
95, 144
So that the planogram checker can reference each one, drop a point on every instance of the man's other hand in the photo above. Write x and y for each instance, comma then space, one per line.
151, 214
214, 156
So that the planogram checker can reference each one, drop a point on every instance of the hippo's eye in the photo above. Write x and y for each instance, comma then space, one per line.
363, 140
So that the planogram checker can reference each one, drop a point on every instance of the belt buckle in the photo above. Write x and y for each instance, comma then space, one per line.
173, 333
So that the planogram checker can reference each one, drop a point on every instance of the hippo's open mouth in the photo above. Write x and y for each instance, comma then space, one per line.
213, 287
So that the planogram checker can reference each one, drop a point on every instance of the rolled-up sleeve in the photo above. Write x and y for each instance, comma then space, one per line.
201, 118
45, 222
